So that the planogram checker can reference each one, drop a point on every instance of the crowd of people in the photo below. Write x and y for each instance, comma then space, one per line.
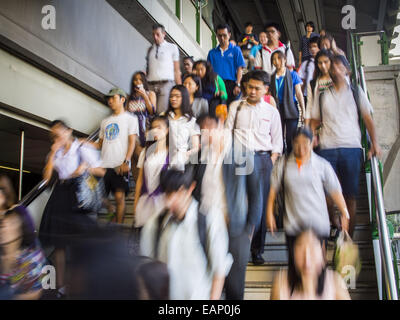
210, 150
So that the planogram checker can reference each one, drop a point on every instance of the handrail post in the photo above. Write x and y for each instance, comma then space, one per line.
387, 259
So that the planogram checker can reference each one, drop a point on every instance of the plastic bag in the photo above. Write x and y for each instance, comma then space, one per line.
346, 255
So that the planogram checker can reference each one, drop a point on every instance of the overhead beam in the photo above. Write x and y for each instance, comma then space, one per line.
261, 12
234, 15
381, 16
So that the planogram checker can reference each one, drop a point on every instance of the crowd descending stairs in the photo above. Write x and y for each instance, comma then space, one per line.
259, 278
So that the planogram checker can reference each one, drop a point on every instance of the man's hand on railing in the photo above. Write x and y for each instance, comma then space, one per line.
374, 150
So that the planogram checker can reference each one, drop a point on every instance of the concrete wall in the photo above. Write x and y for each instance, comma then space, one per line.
91, 42
35, 92
383, 85
160, 11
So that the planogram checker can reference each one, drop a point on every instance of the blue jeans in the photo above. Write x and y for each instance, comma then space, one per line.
347, 164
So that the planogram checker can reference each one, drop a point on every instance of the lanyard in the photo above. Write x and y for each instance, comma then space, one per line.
279, 83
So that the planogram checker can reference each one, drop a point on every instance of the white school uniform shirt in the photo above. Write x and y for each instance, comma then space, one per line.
152, 164
66, 164
340, 128
181, 132
265, 64
180, 248
162, 67
258, 127
114, 131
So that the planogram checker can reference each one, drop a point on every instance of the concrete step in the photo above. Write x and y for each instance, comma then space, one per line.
277, 251
262, 291
266, 272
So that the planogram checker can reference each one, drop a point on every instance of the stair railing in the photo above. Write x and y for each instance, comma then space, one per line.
375, 193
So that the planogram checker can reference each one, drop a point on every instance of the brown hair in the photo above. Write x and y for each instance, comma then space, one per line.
7, 188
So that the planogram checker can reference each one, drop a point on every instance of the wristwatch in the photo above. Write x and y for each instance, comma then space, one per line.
238, 85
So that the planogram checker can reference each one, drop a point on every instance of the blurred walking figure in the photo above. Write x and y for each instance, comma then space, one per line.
212, 86
154, 159
163, 67
304, 178
63, 220
256, 131
184, 133
21, 257
308, 277
339, 111
215, 144
198, 104
286, 89
193, 243
247, 41
327, 42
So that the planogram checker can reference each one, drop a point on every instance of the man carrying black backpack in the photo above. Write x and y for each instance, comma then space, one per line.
338, 112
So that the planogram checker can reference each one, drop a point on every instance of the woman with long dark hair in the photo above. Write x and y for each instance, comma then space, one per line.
321, 81
213, 87
193, 85
308, 278
142, 103
184, 132
152, 161
63, 220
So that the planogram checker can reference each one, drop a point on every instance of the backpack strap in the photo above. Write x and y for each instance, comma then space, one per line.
203, 235
160, 220
262, 58
356, 95
147, 59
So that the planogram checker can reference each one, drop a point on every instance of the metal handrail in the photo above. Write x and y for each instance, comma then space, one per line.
384, 238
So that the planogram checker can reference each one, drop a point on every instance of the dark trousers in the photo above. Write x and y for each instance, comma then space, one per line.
258, 241
289, 127
230, 86
239, 247
243, 189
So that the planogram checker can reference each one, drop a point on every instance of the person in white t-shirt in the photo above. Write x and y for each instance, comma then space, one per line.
338, 113
117, 139
163, 67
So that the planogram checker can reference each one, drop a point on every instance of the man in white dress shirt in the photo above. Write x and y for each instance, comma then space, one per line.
163, 68
257, 141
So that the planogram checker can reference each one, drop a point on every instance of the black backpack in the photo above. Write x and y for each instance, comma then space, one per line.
201, 227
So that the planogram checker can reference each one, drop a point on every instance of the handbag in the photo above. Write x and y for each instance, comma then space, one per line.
346, 254
90, 191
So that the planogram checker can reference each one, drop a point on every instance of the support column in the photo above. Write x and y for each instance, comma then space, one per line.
21, 164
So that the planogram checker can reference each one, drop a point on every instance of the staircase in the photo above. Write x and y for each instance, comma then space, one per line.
259, 278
